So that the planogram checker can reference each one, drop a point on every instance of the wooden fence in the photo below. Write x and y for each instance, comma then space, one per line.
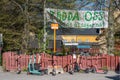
10, 63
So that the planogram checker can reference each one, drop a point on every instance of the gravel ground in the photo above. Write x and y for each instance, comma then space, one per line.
65, 76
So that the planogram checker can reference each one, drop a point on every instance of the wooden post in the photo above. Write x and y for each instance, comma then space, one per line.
54, 26
54, 40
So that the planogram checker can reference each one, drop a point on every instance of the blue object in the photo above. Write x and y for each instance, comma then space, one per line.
34, 68
83, 46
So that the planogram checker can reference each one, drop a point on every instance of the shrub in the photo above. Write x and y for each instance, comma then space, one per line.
117, 53
24, 69
4, 66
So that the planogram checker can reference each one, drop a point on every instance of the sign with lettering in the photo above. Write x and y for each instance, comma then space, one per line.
77, 19
54, 26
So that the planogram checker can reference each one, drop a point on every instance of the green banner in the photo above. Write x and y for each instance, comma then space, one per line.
77, 19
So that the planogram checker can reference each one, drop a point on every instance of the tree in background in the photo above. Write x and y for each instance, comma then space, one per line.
106, 39
10, 25
18, 18
112, 6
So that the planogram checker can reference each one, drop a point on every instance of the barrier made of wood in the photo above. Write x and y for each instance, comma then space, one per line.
10, 61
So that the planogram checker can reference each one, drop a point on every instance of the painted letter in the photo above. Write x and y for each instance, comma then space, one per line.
76, 17
64, 16
70, 16
88, 16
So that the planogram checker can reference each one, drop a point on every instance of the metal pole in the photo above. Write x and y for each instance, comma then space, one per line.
54, 41
45, 34
53, 71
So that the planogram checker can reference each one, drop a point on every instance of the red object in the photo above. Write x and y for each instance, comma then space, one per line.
111, 62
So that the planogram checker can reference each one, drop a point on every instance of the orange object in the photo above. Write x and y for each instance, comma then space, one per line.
54, 26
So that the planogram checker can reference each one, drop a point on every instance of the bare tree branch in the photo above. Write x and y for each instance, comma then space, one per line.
18, 5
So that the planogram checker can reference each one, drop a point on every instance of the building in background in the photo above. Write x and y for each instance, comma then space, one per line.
76, 39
